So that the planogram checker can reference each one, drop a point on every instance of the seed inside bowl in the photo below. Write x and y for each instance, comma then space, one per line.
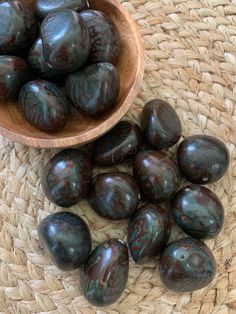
73, 45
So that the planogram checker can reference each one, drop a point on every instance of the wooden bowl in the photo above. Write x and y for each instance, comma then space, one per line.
79, 128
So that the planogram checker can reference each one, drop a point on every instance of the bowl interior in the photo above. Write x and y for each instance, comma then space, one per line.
80, 128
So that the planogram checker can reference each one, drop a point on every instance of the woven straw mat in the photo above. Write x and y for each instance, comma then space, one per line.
191, 63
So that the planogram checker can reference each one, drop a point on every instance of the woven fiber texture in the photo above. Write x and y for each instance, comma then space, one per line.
191, 63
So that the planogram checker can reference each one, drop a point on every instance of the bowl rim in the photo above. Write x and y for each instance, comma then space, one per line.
84, 138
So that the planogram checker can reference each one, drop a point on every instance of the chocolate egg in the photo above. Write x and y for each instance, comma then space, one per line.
65, 39
187, 265
104, 37
14, 73
39, 65
203, 159
157, 175
43, 105
43, 7
161, 124
119, 144
149, 230
104, 277
66, 177
198, 211
94, 89
66, 238
114, 195
18, 28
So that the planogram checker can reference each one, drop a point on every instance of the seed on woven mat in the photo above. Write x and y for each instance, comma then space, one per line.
149, 231
116, 146
104, 277
114, 195
187, 265
66, 238
161, 124
203, 159
198, 211
66, 177
157, 175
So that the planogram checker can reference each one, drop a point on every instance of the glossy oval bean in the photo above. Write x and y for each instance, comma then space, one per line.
198, 211
203, 159
187, 265
66, 177
43, 105
88, 94
104, 36
149, 230
66, 238
114, 195
18, 28
119, 144
39, 65
157, 175
161, 124
65, 39
104, 277
14, 73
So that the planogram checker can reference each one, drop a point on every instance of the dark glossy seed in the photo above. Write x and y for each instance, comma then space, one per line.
18, 28
161, 124
104, 36
149, 230
43, 105
43, 7
14, 73
157, 175
104, 277
66, 177
187, 265
203, 159
119, 144
66, 238
198, 211
94, 89
114, 195
39, 65
65, 40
